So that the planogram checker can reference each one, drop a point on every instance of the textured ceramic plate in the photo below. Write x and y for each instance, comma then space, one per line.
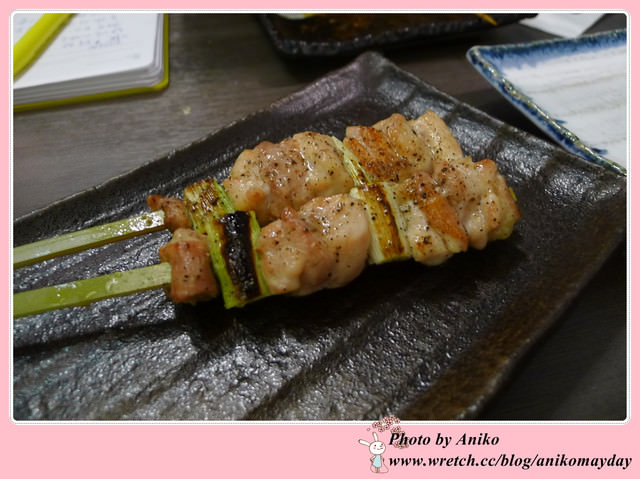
575, 90
418, 342
346, 34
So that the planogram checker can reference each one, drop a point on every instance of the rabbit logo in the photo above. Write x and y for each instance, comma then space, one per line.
376, 448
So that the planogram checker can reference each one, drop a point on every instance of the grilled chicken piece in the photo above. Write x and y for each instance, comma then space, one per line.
430, 224
192, 278
341, 221
271, 177
404, 139
175, 211
436, 136
323, 245
480, 196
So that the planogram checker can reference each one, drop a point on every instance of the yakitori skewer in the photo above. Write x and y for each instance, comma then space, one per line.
405, 184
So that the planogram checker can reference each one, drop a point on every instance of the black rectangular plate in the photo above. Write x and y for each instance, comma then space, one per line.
418, 342
351, 33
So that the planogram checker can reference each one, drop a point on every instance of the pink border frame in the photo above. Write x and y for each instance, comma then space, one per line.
289, 450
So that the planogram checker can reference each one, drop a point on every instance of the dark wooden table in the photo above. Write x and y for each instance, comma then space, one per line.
223, 67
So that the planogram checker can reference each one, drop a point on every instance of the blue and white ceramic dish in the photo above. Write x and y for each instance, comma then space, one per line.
575, 90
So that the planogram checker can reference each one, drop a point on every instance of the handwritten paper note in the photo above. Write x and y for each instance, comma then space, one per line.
93, 33
93, 45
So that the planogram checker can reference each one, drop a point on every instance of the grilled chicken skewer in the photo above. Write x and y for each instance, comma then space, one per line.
412, 170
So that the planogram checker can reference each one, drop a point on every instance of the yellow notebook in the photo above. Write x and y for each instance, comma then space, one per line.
92, 56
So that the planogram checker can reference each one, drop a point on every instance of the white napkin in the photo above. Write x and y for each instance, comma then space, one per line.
566, 25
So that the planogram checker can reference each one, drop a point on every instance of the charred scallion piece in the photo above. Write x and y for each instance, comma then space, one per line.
385, 220
232, 237
388, 241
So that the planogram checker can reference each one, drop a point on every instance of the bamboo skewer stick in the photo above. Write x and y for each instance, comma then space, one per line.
88, 238
86, 291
